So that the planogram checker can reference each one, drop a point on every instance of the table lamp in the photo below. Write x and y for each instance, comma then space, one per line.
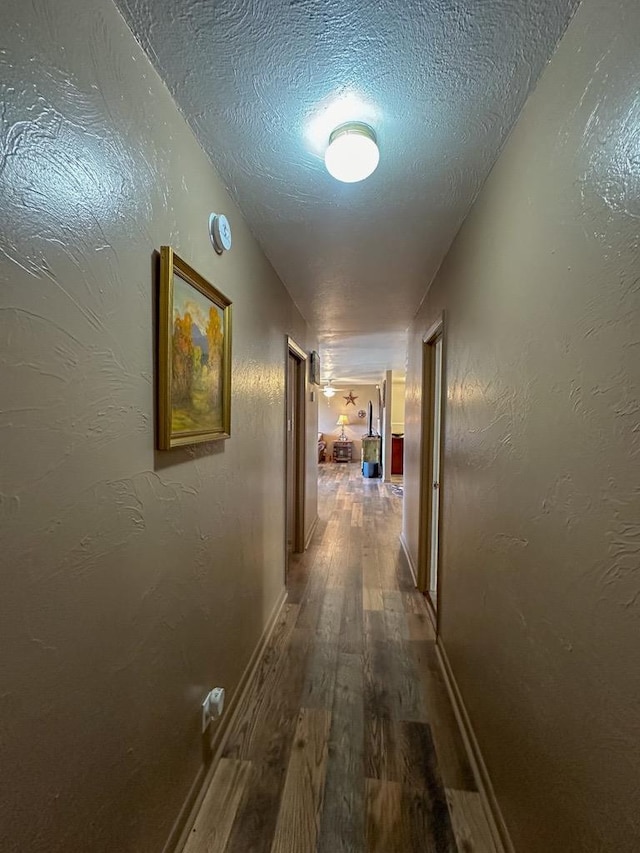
342, 420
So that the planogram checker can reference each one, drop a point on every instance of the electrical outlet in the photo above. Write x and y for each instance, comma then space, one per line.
212, 706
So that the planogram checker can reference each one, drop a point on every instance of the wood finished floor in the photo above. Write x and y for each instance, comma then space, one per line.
346, 741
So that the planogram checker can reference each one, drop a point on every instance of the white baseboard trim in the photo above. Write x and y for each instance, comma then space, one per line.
412, 568
499, 831
414, 575
182, 827
312, 530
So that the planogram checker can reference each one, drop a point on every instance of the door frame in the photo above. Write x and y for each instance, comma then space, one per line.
436, 330
298, 540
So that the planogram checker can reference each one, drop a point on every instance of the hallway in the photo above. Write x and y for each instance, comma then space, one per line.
346, 740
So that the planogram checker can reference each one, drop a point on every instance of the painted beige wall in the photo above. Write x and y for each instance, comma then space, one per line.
397, 405
541, 505
131, 581
330, 408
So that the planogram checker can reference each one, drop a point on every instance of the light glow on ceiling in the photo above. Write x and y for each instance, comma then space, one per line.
335, 111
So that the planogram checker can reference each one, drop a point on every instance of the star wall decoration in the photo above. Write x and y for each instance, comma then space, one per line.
350, 398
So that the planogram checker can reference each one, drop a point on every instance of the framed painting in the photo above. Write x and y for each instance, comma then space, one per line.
314, 368
194, 359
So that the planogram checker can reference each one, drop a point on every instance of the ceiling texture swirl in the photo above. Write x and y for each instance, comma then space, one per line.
262, 85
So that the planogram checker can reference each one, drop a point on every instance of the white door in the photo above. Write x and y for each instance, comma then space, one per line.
292, 450
436, 408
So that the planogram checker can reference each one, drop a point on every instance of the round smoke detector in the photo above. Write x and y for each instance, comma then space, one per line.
220, 232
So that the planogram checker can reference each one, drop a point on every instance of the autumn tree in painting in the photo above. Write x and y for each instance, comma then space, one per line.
214, 340
195, 371
197, 363
183, 360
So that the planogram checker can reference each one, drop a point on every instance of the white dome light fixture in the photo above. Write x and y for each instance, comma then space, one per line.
352, 154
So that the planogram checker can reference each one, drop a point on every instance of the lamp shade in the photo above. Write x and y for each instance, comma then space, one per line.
352, 154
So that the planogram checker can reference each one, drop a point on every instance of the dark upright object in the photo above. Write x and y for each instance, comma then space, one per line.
397, 454
371, 455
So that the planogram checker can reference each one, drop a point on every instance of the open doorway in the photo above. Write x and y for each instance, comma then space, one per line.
296, 367
431, 464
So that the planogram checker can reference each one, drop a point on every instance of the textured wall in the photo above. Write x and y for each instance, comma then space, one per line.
541, 541
397, 405
131, 581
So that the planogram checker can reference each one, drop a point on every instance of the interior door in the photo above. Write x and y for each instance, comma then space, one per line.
292, 366
295, 448
434, 467
428, 564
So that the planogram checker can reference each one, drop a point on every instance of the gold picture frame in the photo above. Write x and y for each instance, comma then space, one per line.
194, 356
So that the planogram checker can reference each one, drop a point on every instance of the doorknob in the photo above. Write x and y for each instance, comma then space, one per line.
436, 485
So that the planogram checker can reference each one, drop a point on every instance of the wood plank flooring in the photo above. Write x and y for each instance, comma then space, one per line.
346, 741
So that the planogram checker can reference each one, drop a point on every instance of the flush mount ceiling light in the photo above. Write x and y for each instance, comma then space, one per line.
352, 154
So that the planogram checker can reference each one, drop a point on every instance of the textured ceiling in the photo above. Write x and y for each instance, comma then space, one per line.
263, 83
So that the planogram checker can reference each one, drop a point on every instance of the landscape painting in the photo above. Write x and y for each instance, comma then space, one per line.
195, 356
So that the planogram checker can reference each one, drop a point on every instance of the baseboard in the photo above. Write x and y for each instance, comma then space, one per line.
312, 530
430, 609
499, 831
412, 568
182, 827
